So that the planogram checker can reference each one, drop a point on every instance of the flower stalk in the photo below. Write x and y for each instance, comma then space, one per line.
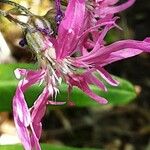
17, 6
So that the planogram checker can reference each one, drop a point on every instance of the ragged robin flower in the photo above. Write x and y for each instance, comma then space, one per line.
56, 52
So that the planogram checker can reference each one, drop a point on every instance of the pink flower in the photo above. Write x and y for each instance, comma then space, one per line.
102, 10
54, 55
25, 118
22, 115
109, 7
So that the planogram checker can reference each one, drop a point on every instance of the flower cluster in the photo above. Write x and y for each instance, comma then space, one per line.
80, 28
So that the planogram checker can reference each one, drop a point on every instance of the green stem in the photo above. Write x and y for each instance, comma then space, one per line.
11, 18
17, 6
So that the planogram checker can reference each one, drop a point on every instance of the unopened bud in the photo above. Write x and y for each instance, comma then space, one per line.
42, 25
36, 41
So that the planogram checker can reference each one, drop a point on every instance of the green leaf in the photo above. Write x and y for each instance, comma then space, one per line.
120, 95
44, 147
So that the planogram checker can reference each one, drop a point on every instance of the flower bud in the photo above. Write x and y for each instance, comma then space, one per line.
36, 41
43, 25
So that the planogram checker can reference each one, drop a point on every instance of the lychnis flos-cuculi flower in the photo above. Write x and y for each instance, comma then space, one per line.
80, 28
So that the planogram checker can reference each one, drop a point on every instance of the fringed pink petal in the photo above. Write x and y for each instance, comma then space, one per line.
85, 88
23, 133
37, 113
30, 77
99, 42
109, 2
95, 28
20, 106
107, 8
147, 40
22, 117
132, 48
39, 107
81, 83
122, 7
70, 28
119, 55
106, 76
91, 79
97, 37
33, 136
55, 103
